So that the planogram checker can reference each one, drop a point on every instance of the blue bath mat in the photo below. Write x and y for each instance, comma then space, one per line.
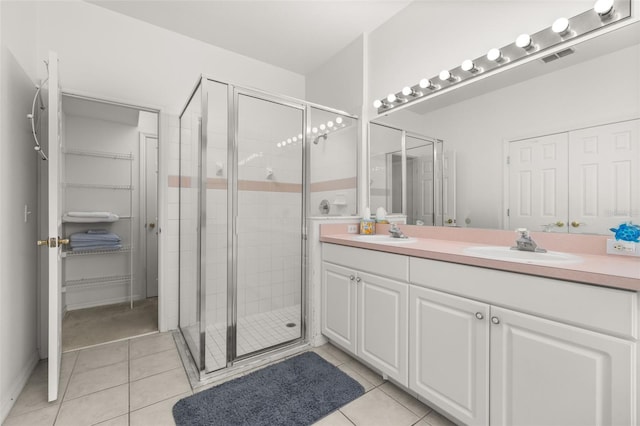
298, 391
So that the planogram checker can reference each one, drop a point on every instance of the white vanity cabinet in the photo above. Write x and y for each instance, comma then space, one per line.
449, 353
366, 313
549, 373
557, 364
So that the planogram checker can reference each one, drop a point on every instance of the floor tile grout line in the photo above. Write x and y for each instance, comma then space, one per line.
73, 367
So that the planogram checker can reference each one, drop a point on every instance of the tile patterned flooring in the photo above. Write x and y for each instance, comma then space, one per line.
137, 382
255, 332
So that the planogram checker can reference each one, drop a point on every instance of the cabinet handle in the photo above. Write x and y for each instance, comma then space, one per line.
351, 277
358, 279
479, 315
495, 320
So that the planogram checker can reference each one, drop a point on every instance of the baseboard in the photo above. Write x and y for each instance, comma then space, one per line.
14, 391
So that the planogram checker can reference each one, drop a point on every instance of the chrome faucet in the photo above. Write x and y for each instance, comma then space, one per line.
526, 243
396, 232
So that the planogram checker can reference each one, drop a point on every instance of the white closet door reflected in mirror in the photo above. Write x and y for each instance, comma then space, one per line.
595, 169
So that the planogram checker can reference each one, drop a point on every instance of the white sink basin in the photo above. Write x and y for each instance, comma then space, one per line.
506, 253
383, 239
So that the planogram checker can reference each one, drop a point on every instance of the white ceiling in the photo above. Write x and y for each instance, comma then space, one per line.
298, 35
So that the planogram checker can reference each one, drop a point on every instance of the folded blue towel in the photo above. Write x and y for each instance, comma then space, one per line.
93, 244
113, 247
97, 231
84, 236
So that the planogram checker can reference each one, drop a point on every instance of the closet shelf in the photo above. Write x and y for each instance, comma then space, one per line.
125, 249
96, 282
97, 186
101, 154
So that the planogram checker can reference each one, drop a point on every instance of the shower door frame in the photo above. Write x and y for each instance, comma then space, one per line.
232, 212
233, 93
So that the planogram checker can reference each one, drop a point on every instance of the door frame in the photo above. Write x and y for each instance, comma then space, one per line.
43, 295
142, 198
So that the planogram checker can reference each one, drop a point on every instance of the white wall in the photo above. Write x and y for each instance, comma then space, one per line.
115, 56
18, 187
339, 84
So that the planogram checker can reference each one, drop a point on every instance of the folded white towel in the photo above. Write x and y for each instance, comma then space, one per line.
77, 219
89, 214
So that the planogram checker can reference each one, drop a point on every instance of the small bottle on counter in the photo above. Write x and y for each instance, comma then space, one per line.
367, 225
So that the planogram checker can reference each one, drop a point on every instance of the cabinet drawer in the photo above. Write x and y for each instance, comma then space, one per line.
598, 308
371, 261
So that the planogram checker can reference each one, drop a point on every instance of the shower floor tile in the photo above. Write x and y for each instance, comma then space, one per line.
255, 332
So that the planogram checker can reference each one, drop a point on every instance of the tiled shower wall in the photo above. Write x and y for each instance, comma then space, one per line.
270, 208
333, 166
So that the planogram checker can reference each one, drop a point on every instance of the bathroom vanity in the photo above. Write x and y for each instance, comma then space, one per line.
488, 341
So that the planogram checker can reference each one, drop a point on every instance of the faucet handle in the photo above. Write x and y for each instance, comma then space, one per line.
523, 231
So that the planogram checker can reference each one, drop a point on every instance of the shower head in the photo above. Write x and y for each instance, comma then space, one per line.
317, 138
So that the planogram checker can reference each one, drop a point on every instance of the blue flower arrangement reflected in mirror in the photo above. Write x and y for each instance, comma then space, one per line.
627, 232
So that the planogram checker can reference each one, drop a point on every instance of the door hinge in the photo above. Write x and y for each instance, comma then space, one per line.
508, 159
508, 212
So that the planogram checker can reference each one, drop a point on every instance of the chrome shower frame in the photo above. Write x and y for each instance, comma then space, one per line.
234, 91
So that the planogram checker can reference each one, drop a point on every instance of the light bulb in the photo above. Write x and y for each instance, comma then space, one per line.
407, 91
329, 123
339, 120
295, 139
524, 41
391, 98
603, 7
468, 65
425, 83
322, 127
494, 55
560, 26
377, 103
289, 140
279, 145
444, 75
314, 130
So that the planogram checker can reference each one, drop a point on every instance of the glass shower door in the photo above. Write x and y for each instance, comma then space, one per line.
269, 222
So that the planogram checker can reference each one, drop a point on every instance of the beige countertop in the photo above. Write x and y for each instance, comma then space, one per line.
620, 272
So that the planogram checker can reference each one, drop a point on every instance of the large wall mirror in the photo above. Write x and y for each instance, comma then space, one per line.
551, 145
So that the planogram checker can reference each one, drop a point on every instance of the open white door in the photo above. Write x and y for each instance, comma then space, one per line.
55, 225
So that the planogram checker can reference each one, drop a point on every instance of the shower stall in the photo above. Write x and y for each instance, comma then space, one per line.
245, 184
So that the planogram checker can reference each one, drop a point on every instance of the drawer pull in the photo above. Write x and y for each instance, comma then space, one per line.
495, 320
479, 315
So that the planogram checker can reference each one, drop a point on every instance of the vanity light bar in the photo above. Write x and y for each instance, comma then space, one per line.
603, 13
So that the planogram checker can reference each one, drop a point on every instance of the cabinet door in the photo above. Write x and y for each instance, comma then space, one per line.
338, 306
449, 353
382, 325
548, 373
